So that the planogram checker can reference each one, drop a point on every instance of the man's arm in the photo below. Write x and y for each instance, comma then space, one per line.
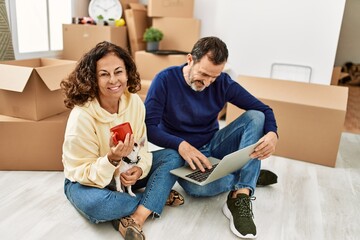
155, 104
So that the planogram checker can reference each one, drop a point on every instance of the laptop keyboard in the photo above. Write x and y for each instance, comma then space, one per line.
201, 176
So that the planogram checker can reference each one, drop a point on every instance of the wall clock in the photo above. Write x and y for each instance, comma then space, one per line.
106, 8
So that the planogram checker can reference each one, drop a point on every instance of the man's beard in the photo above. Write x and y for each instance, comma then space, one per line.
196, 87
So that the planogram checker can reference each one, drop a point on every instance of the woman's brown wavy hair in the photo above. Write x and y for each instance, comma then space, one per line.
81, 85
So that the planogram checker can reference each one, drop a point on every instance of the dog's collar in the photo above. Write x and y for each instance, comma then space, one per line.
128, 160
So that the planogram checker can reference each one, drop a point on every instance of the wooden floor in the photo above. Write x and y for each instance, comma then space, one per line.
309, 202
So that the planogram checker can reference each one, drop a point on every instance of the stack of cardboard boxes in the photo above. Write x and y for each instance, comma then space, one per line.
80, 38
174, 18
181, 30
32, 113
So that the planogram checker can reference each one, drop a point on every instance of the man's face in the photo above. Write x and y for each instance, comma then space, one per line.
203, 73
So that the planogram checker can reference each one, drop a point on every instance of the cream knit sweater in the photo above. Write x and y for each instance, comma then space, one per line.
87, 139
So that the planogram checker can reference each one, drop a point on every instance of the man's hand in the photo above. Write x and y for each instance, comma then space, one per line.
266, 147
193, 156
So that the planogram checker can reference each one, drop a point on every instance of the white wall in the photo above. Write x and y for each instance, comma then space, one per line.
261, 32
349, 42
80, 8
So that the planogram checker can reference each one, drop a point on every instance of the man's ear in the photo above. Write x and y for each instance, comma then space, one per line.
189, 58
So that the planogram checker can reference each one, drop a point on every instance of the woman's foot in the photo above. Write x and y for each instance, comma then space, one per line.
128, 228
175, 199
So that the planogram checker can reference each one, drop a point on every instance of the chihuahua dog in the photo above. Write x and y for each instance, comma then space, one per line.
126, 163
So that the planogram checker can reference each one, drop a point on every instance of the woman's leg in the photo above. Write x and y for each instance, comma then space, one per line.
157, 185
100, 205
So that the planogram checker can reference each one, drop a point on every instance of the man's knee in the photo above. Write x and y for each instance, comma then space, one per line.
255, 117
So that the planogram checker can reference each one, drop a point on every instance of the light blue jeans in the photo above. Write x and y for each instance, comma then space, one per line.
245, 130
101, 205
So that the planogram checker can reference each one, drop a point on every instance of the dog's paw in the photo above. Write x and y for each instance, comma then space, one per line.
132, 194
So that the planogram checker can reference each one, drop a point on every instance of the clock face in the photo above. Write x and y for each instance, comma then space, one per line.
106, 8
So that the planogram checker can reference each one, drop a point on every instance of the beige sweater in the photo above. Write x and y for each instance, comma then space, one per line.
87, 139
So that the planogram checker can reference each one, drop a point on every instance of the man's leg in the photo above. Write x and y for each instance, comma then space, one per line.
160, 181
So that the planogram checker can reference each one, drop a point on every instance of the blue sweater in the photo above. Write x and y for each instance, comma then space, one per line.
175, 112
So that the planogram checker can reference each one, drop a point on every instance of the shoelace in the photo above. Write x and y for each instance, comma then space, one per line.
245, 206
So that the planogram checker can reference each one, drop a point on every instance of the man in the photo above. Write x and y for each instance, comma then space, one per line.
182, 106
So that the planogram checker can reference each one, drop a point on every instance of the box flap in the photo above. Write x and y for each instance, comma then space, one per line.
53, 74
136, 22
137, 6
14, 78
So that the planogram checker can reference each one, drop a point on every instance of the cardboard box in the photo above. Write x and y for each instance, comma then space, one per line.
80, 38
32, 145
150, 64
137, 21
310, 117
335, 75
30, 89
179, 33
145, 84
171, 8
125, 4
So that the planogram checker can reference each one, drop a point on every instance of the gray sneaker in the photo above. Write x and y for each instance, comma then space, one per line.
239, 211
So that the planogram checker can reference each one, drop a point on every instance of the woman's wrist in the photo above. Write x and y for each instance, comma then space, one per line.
113, 161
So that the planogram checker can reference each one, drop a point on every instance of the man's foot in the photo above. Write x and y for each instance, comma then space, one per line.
239, 211
266, 178
128, 229
175, 199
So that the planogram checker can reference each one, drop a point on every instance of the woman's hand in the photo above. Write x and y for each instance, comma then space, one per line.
129, 177
122, 149
266, 147
193, 156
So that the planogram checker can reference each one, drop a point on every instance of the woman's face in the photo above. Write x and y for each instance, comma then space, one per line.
112, 77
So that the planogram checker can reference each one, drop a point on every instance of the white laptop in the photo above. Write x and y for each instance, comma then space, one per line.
230, 163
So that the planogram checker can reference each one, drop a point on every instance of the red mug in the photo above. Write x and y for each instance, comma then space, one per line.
120, 132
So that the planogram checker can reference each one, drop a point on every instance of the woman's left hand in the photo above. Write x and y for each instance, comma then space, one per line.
266, 147
130, 176
122, 149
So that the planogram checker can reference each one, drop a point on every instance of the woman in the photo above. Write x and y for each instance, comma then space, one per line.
100, 92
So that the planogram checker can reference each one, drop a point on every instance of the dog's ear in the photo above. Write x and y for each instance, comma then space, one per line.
142, 142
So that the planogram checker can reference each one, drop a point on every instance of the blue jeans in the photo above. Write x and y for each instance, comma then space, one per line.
245, 130
105, 204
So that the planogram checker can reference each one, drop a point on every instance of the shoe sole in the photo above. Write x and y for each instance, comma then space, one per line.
228, 214
133, 234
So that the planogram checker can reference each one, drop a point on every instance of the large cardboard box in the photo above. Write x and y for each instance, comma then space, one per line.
150, 64
137, 21
310, 117
30, 89
125, 4
179, 33
171, 8
145, 85
80, 38
32, 145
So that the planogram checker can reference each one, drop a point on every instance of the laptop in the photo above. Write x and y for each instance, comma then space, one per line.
230, 163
